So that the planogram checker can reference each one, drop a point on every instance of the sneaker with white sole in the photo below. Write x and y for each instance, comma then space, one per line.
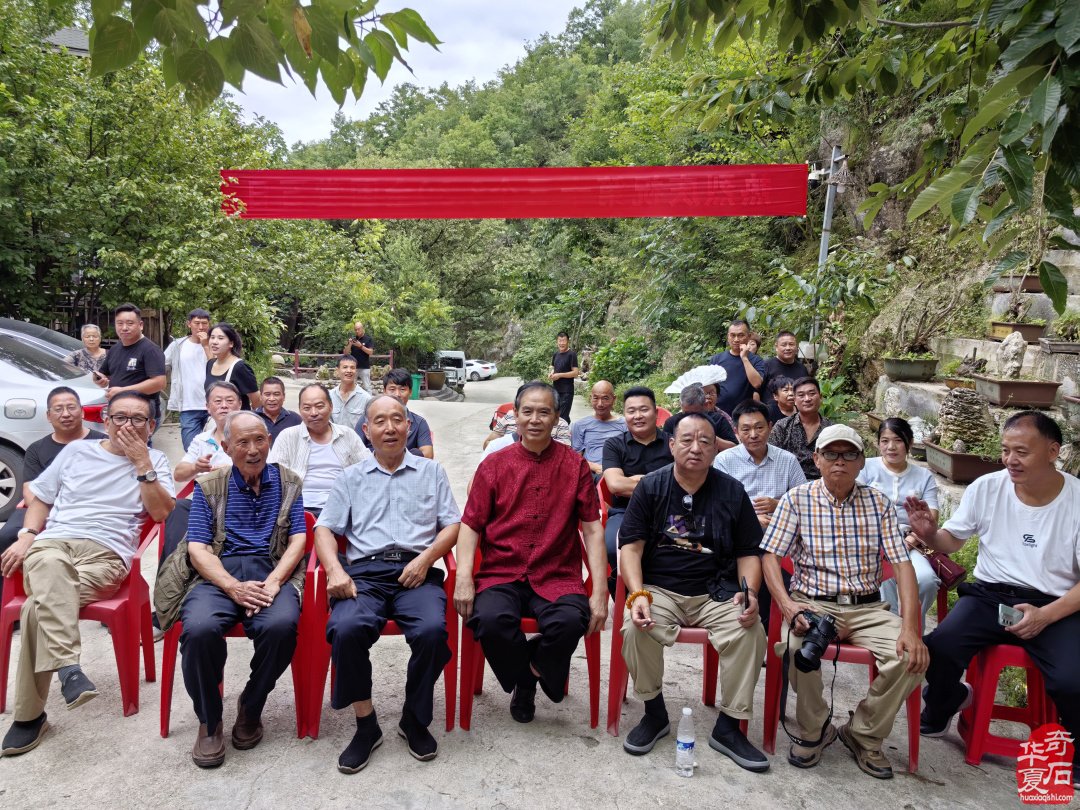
939, 729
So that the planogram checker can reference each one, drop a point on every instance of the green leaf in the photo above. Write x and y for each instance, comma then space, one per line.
168, 66
232, 10
1051, 128
383, 49
201, 75
113, 45
1045, 99
1067, 33
172, 27
221, 49
1054, 285
966, 203
325, 33
1010, 81
104, 8
1022, 47
942, 189
256, 49
988, 114
415, 25
143, 13
1019, 176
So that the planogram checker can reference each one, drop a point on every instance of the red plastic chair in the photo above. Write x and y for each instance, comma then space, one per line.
605, 500
171, 645
983, 674
850, 654
662, 415
126, 613
619, 675
472, 663
318, 650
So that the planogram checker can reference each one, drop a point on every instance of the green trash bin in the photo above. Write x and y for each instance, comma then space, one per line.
417, 384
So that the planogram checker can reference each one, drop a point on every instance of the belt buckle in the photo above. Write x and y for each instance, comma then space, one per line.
392, 556
845, 599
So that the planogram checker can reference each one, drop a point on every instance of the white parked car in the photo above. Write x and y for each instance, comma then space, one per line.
480, 370
27, 375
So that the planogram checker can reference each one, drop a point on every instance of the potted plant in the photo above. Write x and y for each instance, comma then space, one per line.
966, 443
1066, 334
1015, 318
1007, 387
909, 356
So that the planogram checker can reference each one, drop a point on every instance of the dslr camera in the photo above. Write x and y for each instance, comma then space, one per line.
821, 634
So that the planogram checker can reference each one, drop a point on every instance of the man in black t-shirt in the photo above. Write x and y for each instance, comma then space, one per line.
688, 540
564, 371
136, 363
361, 347
784, 364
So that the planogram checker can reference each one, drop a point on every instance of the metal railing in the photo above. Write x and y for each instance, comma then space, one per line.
297, 354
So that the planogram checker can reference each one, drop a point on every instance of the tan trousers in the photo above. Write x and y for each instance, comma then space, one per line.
871, 626
60, 576
740, 649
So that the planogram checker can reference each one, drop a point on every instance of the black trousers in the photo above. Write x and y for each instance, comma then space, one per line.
496, 623
355, 624
973, 624
175, 528
208, 614
566, 399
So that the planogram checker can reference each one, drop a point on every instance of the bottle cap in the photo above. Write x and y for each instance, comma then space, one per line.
686, 710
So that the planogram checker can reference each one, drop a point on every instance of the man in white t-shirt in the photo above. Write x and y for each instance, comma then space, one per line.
95, 497
1027, 517
185, 361
318, 450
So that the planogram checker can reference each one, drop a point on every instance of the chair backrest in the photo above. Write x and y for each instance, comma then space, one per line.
662, 415
500, 411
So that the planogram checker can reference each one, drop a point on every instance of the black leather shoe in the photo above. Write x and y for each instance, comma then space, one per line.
523, 703
729, 740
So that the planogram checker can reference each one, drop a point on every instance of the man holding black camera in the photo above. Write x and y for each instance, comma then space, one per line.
835, 532
690, 558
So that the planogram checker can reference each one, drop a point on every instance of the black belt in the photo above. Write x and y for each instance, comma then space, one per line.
1014, 590
848, 598
394, 555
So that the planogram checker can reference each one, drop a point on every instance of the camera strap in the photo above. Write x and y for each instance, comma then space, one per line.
785, 663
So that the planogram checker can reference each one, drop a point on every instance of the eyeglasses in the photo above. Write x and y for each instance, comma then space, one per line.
59, 409
848, 455
122, 419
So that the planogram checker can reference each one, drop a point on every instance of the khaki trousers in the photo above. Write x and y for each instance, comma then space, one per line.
740, 649
875, 628
60, 576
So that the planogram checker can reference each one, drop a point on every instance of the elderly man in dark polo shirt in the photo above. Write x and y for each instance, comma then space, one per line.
273, 411
399, 517
641, 448
523, 511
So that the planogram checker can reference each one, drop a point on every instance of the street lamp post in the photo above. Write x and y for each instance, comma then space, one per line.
836, 184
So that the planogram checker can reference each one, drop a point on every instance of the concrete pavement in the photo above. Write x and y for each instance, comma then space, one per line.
94, 757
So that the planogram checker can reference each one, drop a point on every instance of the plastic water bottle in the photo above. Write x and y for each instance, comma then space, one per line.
684, 744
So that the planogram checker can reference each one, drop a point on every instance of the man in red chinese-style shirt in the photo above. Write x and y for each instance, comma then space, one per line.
523, 511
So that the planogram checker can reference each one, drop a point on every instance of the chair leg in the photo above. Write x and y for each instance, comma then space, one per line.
125, 641
980, 721
914, 708
7, 631
592, 657
170, 645
711, 670
478, 671
617, 678
770, 718
450, 672
146, 638
466, 648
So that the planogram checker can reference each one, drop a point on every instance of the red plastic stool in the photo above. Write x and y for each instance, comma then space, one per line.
983, 675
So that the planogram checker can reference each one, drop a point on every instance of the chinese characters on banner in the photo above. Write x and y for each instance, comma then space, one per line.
1044, 766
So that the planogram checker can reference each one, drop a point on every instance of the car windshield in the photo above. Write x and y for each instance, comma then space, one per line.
35, 362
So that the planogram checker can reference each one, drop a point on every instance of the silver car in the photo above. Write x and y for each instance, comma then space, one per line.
27, 375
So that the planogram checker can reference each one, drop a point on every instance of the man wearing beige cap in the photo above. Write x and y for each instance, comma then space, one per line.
836, 531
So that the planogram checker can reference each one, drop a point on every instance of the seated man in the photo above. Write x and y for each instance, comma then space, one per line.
205, 452
348, 398
836, 531
273, 411
388, 575
318, 450
688, 540
640, 449
245, 542
1027, 517
798, 433
697, 398
95, 495
397, 383
505, 427
523, 511
588, 434
64, 412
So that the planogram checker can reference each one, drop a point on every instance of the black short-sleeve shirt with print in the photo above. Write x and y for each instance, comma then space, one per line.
363, 359
562, 362
134, 364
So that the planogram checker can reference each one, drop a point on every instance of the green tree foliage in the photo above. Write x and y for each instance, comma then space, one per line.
1007, 72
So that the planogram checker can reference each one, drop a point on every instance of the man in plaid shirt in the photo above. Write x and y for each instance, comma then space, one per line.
835, 532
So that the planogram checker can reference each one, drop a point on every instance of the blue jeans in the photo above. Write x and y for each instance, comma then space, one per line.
192, 424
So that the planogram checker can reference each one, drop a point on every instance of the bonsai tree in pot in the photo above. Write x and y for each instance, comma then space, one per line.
1064, 334
908, 355
1007, 387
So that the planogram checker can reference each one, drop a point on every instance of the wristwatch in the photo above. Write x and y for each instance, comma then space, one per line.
148, 478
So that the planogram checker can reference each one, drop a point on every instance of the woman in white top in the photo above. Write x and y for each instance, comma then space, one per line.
205, 452
892, 475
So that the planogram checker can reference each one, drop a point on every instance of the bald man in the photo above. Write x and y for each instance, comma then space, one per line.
587, 435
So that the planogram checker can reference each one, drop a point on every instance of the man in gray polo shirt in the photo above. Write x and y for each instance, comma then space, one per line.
399, 517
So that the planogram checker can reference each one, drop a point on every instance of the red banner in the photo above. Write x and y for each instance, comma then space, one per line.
594, 192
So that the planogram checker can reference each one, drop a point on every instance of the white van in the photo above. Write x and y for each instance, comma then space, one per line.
453, 363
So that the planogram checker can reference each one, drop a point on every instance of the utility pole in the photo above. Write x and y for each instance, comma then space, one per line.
833, 184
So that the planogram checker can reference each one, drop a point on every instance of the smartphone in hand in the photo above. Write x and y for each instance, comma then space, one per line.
745, 595
1008, 616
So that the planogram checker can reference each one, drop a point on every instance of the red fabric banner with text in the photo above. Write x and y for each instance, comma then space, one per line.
595, 192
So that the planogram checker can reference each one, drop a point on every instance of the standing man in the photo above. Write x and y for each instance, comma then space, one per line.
317, 450
399, 518
134, 364
185, 360
361, 347
783, 364
273, 411
564, 371
398, 384
348, 399
836, 531
1027, 517
745, 371
689, 539
95, 497
589, 434
798, 433
523, 511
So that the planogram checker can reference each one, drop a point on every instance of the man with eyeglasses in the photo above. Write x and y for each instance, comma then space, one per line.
76, 546
689, 540
836, 532
588, 434
798, 433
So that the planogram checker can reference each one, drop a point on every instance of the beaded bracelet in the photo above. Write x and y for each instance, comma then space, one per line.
630, 599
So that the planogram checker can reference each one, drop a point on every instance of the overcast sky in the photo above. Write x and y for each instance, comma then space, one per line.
479, 37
